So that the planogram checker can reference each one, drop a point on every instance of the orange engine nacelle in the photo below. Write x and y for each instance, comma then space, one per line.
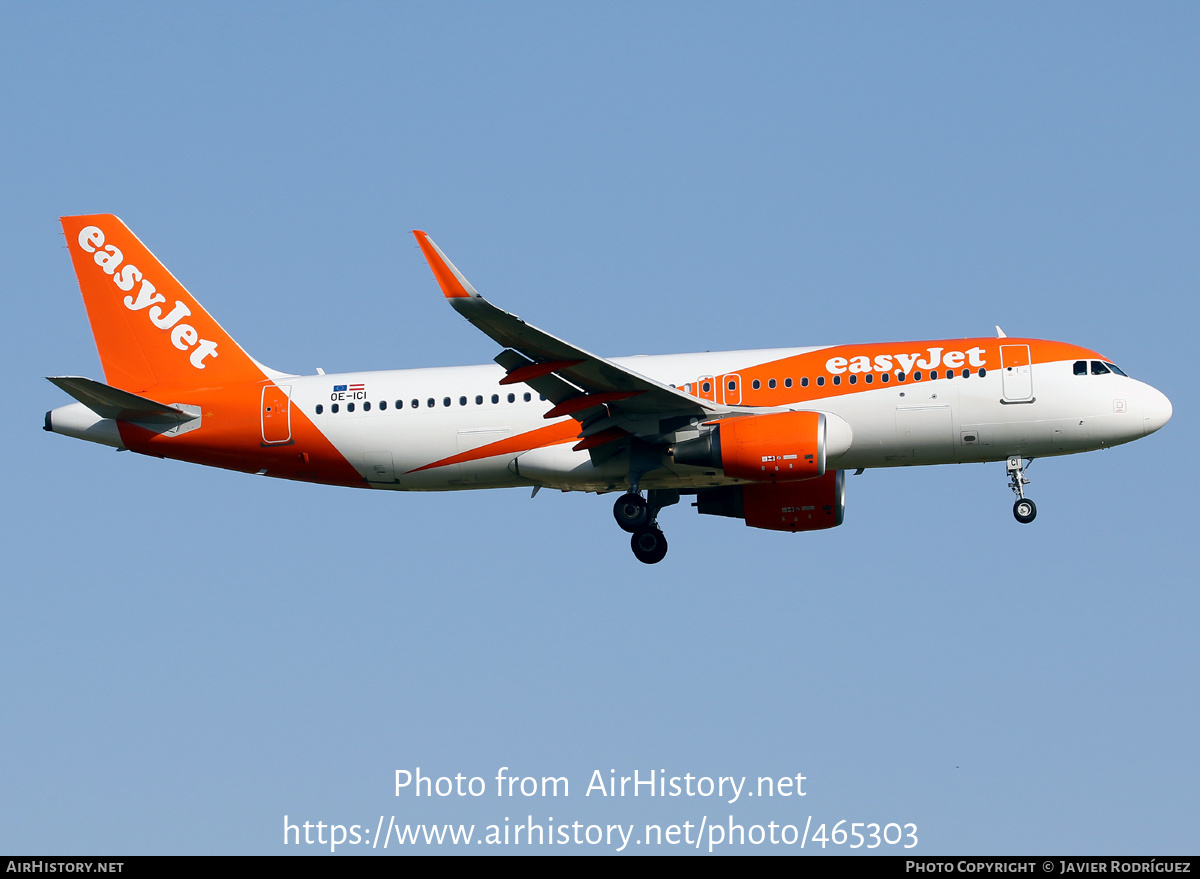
804, 506
777, 447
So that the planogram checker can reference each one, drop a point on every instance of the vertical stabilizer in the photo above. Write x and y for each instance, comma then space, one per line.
150, 332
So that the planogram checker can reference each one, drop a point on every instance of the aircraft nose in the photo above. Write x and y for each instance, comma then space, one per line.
1156, 411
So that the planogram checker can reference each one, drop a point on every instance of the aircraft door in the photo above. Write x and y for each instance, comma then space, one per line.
1016, 373
276, 413
731, 389
706, 388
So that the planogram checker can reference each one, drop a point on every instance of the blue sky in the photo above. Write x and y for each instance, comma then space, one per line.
190, 654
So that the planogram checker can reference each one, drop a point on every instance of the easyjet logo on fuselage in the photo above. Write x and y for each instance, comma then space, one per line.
930, 358
183, 336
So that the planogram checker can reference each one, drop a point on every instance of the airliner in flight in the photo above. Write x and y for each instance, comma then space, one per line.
764, 436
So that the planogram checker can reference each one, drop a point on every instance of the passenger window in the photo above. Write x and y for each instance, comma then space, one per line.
787, 382
756, 384
462, 401
528, 396
334, 408
982, 372
820, 381
416, 404
885, 378
399, 404
933, 375
707, 387
732, 386
1099, 368
512, 398
899, 376
479, 400
382, 405
1080, 367
966, 373
366, 406
431, 402
917, 376
771, 383
349, 407
495, 398
868, 378
320, 408
837, 379
853, 379
445, 401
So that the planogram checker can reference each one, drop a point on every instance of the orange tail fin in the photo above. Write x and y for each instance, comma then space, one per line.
149, 330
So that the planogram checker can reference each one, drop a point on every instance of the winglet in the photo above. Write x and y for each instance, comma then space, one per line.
450, 279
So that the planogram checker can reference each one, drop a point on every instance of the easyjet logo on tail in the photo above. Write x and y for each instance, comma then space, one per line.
183, 336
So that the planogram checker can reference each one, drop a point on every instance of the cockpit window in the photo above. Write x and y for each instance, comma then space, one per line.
1099, 368
1116, 369
1081, 367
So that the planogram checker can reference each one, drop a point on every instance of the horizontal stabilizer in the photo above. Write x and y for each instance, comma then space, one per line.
110, 402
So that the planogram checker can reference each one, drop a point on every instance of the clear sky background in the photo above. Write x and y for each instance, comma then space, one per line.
187, 654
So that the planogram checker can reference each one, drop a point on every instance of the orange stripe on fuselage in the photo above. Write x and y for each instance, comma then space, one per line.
550, 435
230, 436
897, 357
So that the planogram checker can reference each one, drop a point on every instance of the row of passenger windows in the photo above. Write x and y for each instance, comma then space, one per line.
1098, 368
1080, 368
430, 403
706, 387
868, 378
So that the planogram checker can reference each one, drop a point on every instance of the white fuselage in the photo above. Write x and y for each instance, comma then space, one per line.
446, 412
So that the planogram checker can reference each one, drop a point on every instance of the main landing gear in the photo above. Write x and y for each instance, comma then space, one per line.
1024, 509
639, 517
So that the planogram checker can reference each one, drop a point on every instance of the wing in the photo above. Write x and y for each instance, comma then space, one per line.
607, 399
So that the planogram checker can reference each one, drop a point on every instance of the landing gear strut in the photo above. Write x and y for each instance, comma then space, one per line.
639, 517
1024, 510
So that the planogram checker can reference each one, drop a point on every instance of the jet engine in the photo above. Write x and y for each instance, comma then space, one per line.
775, 447
811, 505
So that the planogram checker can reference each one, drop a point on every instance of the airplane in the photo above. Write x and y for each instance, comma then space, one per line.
766, 436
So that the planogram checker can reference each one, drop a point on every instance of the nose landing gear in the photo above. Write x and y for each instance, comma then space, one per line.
639, 517
1024, 510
